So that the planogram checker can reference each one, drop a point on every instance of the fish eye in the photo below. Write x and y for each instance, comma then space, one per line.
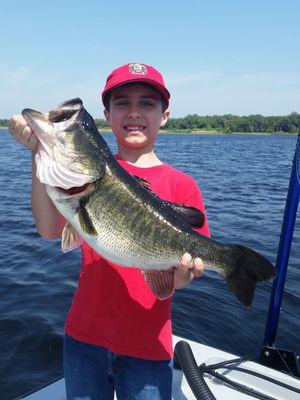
85, 120
87, 124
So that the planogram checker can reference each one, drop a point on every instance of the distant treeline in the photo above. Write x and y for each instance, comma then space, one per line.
230, 123
233, 123
223, 123
4, 122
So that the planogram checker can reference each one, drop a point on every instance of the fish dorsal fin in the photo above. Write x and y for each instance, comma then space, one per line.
70, 238
194, 217
144, 183
161, 283
84, 219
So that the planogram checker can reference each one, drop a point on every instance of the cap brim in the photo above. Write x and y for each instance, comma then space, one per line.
162, 90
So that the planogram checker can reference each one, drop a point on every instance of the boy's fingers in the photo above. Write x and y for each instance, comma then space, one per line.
16, 125
22, 132
32, 141
198, 267
187, 265
22, 129
186, 260
184, 263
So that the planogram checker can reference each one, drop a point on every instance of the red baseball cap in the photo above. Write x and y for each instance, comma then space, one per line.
135, 72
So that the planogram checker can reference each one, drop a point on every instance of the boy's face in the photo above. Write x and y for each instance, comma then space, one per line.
135, 116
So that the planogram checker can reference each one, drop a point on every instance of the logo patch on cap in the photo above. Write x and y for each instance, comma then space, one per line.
138, 69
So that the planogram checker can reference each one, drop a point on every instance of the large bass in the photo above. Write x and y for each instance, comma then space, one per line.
119, 216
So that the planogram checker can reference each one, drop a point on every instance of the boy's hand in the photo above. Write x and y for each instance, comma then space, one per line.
22, 133
187, 270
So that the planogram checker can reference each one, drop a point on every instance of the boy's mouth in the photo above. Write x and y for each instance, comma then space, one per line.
134, 128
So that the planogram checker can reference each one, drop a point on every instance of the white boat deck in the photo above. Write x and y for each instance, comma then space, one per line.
207, 355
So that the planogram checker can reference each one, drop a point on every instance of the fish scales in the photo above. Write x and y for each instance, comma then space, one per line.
125, 230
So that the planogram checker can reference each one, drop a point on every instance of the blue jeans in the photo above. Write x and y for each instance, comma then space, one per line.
94, 373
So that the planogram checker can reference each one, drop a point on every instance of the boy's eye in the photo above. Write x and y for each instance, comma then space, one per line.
147, 103
121, 102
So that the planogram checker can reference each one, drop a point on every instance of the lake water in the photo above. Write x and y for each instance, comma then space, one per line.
244, 180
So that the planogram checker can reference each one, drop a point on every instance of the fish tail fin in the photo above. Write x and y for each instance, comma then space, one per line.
249, 268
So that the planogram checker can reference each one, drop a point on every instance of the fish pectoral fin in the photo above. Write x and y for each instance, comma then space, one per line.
194, 217
70, 239
161, 283
84, 219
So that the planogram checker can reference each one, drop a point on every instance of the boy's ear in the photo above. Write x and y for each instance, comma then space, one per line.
165, 117
107, 115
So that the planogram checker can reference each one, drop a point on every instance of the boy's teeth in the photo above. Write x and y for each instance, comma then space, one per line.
135, 128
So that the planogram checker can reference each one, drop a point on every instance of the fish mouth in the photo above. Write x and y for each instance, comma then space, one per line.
63, 112
35, 119
75, 190
54, 163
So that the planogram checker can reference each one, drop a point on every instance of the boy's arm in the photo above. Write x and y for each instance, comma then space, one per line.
48, 221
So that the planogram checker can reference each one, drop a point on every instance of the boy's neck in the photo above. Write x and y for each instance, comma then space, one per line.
143, 159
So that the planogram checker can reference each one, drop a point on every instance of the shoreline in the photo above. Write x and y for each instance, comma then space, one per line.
207, 132
198, 132
229, 133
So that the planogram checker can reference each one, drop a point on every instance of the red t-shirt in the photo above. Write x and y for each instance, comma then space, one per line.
113, 307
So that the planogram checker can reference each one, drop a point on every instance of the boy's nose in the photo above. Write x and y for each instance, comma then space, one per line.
134, 114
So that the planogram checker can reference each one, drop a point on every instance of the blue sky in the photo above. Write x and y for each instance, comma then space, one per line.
217, 57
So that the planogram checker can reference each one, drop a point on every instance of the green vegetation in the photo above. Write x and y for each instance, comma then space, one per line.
222, 123
234, 123
4, 123
229, 123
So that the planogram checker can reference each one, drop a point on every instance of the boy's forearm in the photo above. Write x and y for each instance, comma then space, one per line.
48, 221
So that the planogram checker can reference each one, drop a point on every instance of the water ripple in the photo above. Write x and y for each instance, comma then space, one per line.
244, 180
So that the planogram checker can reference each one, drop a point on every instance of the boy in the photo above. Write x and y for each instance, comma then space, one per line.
118, 333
